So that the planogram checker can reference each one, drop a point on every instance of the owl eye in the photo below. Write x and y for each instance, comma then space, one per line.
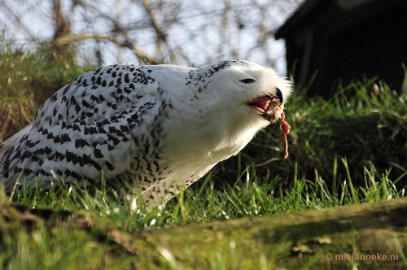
247, 81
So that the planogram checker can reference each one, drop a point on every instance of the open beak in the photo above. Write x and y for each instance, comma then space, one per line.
269, 106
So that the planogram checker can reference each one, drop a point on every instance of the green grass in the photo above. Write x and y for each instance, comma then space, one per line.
63, 249
350, 149
27, 79
245, 198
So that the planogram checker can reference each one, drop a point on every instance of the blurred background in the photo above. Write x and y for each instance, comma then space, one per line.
151, 31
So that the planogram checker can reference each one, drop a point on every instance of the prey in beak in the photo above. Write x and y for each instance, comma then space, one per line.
269, 106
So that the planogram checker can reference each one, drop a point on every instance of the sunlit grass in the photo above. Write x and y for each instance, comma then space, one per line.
245, 198
27, 79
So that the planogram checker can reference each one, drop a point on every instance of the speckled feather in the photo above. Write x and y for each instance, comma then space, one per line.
158, 127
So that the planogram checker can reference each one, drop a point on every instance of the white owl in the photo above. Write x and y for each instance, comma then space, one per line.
157, 128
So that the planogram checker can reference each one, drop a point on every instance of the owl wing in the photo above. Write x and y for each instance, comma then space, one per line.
98, 123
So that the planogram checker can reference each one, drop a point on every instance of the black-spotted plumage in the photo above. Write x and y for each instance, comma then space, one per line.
157, 127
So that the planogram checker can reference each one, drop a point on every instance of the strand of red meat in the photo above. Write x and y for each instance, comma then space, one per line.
285, 127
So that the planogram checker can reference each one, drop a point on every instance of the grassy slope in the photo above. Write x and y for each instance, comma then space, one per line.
348, 150
47, 239
27, 79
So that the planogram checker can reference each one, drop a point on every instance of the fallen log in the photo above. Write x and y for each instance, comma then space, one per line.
364, 236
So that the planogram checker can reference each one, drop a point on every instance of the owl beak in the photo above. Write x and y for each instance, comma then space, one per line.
279, 95
270, 107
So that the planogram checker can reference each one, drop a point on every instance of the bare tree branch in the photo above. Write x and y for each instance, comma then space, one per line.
17, 19
62, 27
186, 32
159, 31
138, 51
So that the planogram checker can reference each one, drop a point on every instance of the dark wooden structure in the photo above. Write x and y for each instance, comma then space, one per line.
344, 40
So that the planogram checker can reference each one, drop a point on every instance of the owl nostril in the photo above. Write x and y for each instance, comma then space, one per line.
279, 95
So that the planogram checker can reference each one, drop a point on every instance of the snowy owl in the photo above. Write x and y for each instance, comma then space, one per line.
158, 127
